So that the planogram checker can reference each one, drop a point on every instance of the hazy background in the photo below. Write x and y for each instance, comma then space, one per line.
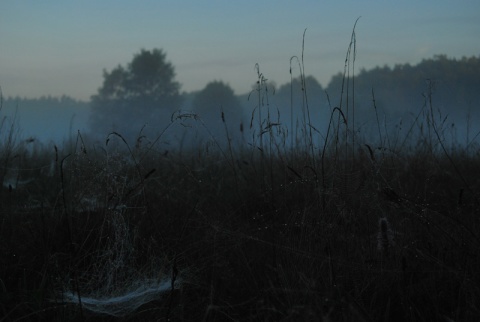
56, 48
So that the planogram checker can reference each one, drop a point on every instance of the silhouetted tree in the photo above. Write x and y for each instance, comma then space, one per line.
145, 92
293, 96
301, 106
209, 104
399, 89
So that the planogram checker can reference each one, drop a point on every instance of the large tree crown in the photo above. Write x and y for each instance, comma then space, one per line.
143, 91
148, 77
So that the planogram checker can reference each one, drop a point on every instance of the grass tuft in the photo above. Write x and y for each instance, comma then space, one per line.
281, 227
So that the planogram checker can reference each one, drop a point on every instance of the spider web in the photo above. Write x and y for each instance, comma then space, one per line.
114, 285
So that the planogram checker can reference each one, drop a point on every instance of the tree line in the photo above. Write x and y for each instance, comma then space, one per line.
141, 98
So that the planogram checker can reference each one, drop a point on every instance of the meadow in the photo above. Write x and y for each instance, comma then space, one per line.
278, 228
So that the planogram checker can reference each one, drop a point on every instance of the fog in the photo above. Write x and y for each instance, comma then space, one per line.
45, 119
394, 106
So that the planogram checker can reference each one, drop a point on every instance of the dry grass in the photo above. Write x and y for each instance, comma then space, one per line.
389, 240
347, 231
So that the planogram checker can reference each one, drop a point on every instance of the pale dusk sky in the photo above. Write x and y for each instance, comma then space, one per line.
61, 47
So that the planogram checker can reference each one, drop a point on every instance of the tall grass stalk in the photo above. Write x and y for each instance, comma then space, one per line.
246, 233
9, 136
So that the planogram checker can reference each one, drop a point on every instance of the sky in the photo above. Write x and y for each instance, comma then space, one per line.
61, 47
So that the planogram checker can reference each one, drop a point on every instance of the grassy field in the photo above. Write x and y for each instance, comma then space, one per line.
348, 230
345, 232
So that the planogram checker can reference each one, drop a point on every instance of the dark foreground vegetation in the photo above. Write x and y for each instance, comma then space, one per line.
348, 229
348, 232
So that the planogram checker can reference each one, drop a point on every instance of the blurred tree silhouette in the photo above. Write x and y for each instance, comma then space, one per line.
291, 96
143, 92
209, 103
401, 89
